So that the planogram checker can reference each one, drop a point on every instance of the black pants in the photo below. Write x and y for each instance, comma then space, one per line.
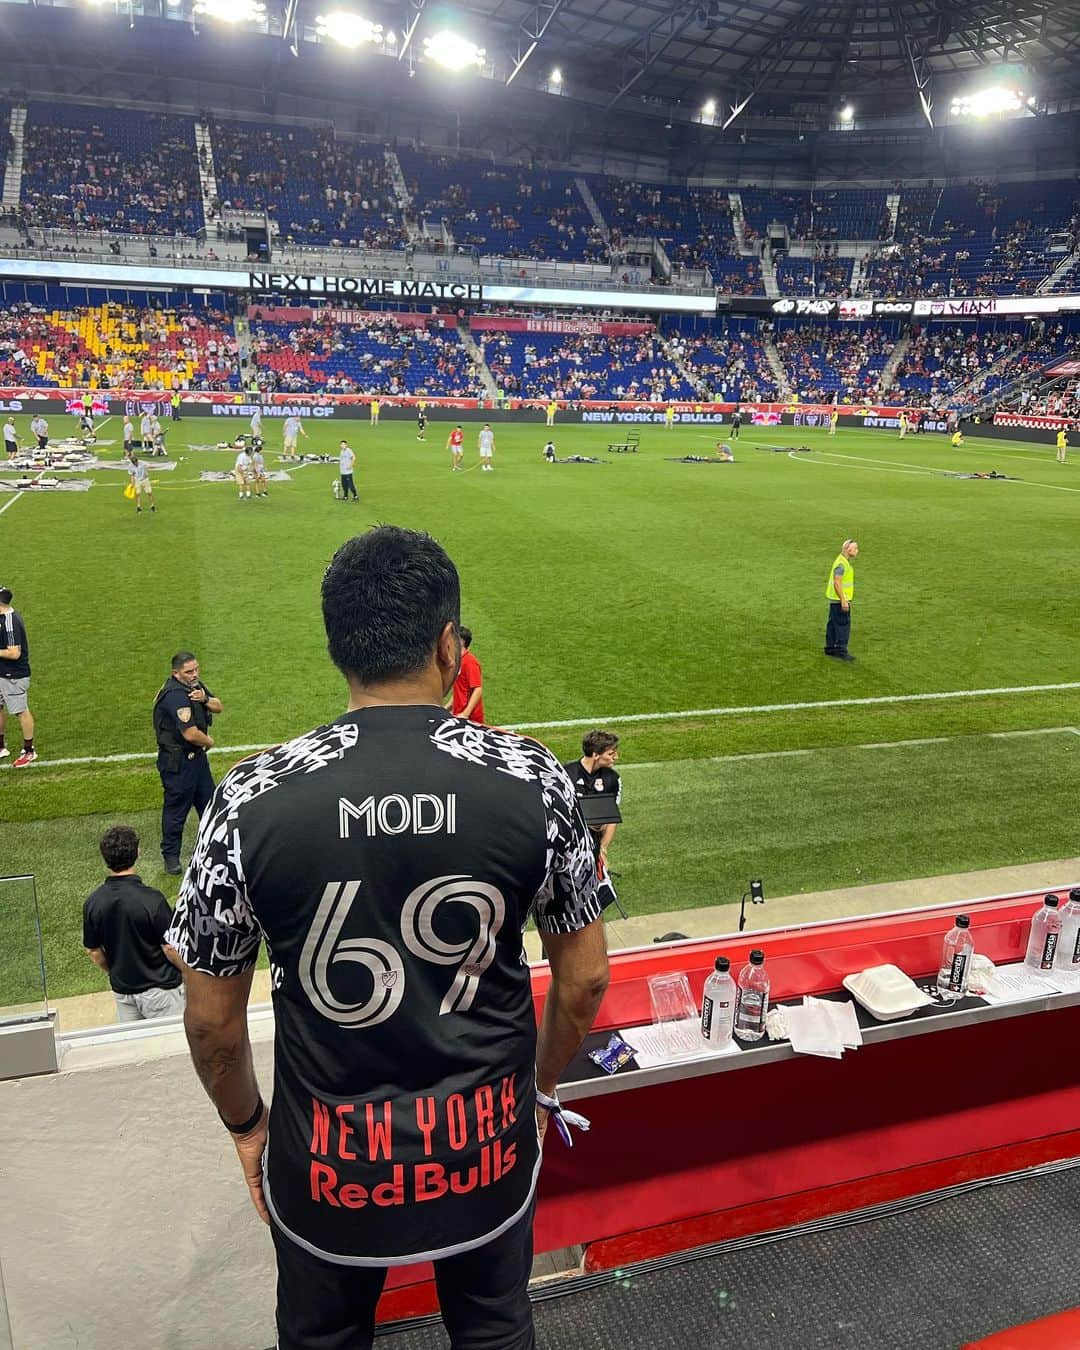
483, 1296
838, 629
189, 786
735, 430
348, 487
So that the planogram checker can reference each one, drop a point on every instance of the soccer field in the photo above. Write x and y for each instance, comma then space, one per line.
638, 588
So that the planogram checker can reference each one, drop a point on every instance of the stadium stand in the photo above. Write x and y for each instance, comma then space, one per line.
104, 169
585, 365
820, 275
319, 190
111, 346
730, 367
944, 360
822, 213
502, 209
828, 363
381, 355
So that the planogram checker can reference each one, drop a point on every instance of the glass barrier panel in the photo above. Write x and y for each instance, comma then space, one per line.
23, 995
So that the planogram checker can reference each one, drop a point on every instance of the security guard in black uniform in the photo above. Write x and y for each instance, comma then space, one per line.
183, 713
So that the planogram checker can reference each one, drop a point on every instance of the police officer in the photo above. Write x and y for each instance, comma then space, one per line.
183, 714
840, 591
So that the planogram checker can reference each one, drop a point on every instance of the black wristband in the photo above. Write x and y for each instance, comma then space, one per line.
248, 1124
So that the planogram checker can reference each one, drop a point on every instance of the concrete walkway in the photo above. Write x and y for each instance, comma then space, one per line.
95, 1010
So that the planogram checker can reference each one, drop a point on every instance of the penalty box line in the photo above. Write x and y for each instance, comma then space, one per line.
878, 700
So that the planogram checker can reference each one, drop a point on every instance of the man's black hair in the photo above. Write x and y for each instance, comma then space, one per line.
596, 742
119, 847
5, 596
182, 658
466, 636
386, 597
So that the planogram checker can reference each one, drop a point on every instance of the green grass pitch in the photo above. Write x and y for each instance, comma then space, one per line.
637, 586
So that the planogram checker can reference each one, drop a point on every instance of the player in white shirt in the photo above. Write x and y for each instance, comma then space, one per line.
139, 473
346, 463
487, 448
258, 472
145, 431
256, 424
293, 428
40, 428
242, 473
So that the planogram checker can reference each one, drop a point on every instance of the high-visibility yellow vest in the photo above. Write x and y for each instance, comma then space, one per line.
848, 582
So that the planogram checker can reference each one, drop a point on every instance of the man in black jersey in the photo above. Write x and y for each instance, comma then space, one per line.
391, 860
594, 775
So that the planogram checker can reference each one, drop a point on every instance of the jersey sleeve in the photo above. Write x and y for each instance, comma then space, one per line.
91, 930
567, 899
214, 929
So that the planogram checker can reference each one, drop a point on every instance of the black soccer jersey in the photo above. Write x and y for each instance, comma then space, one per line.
391, 860
595, 783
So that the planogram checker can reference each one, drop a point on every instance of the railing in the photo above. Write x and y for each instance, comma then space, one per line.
423, 260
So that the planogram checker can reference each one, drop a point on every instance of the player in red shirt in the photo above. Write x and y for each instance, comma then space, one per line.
456, 447
468, 697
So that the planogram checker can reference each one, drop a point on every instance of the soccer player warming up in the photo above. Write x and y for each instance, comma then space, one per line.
242, 472
456, 447
140, 481
1062, 445
487, 448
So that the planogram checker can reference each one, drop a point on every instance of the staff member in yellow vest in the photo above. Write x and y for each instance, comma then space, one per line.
840, 591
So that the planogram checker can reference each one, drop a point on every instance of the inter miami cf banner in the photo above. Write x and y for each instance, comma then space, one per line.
367, 288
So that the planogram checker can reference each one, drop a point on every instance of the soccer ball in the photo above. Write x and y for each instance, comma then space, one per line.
335, 487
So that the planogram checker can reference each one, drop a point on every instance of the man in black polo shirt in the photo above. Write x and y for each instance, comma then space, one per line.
124, 926
391, 860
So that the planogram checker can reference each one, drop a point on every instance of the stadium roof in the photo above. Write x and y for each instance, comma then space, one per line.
792, 57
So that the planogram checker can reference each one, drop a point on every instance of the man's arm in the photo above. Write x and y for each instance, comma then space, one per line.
579, 977
196, 737
607, 834
215, 1022
97, 955
10, 653
838, 587
476, 693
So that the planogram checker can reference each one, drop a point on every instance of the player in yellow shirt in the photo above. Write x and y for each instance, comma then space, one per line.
374, 412
957, 439
669, 417
552, 409
1062, 445
834, 417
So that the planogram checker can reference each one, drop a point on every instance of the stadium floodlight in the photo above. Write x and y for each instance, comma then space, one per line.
350, 30
989, 102
708, 108
452, 51
232, 11
555, 77
847, 113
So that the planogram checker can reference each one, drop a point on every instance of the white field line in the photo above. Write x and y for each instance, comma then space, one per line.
869, 745
862, 462
143, 755
11, 502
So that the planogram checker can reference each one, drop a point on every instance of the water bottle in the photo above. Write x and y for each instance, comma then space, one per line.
718, 1004
753, 1001
1045, 933
1068, 950
956, 953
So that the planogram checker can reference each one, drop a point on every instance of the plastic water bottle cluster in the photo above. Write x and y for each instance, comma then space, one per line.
1053, 944
730, 1008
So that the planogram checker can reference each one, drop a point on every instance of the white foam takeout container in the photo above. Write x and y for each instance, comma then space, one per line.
886, 992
